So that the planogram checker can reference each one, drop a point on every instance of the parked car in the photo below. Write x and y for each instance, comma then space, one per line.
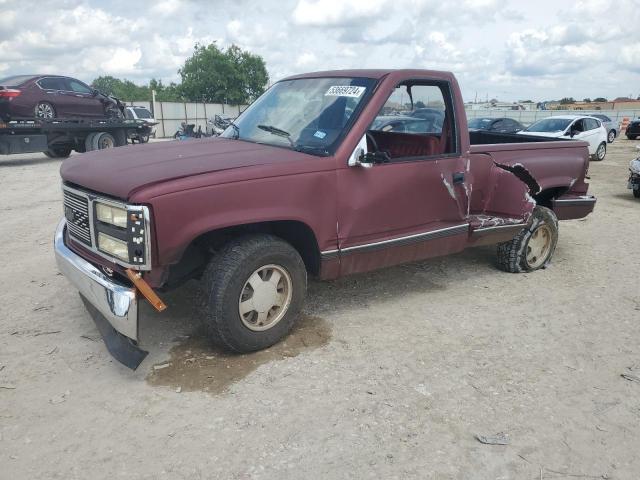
577, 127
218, 124
612, 127
634, 176
300, 184
503, 125
434, 116
633, 129
141, 113
401, 123
53, 96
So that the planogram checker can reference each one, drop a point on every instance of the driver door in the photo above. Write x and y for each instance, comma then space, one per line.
413, 204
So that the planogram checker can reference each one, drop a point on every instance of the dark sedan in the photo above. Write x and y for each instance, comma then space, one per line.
633, 129
401, 123
502, 125
53, 96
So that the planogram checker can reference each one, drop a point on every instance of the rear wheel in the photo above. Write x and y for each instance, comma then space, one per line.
533, 247
253, 290
44, 110
601, 152
636, 192
102, 140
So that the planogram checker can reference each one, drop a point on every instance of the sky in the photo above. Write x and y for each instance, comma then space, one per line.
505, 49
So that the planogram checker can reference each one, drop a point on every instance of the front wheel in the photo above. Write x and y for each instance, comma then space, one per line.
253, 291
601, 152
45, 111
636, 192
611, 136
533, 247
58, 152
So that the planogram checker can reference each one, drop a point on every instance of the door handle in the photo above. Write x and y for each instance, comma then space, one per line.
458, 177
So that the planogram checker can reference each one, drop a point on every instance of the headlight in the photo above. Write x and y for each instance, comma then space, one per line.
634, 166
113, 246
122, 233
111, 215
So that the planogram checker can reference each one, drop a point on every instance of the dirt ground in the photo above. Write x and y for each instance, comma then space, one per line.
390, 375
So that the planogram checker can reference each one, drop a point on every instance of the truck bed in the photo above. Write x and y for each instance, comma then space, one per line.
481, 137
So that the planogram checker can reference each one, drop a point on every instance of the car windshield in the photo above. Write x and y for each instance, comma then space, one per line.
479, 123
142, 113
550, 125
16, 80
306, 114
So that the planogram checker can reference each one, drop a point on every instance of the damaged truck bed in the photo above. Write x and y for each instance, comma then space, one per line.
327, 174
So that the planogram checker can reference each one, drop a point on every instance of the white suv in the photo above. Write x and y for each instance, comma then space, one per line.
588, 129
141, 113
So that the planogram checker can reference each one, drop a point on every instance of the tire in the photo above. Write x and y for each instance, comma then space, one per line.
227, 280
518, 256
102, 140
632, 137
88, 142
44, 110
58, 152
636, 192
143, 138
611, 136
601, 152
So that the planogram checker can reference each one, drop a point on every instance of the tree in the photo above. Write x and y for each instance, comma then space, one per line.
223, 76
587, 100
600, 99
567, 100
123, 89
420, 104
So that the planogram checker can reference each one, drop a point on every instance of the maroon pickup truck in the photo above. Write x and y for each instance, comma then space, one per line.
307, 181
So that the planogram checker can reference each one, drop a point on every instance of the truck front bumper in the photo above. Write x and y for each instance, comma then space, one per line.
112, 305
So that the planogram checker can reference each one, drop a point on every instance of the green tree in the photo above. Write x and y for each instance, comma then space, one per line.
567, 100
587, 100
230, 76
123, 89
600, 99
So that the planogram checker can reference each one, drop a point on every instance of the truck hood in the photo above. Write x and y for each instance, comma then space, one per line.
118, 172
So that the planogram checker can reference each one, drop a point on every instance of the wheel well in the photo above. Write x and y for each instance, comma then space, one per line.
545, 196
296, 233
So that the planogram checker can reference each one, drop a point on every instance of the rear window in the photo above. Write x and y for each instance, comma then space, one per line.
16, 81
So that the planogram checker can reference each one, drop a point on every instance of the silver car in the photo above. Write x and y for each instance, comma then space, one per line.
612, 128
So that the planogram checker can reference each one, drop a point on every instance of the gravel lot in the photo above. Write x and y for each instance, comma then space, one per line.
391, 374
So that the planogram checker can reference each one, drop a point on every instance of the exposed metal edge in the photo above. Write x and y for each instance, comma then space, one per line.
407, 240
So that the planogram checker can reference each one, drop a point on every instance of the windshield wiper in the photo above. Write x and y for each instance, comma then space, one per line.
309, 149
277, 131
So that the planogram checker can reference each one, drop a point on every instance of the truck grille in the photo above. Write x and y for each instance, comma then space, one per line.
76, 211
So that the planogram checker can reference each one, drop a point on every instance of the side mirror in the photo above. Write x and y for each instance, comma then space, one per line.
357, 158
95, 92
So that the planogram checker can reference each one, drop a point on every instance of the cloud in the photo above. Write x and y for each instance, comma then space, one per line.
332, 13
503, 48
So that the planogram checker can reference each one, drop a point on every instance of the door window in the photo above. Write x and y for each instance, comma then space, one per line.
591, 124
52, 83
578, 126
76, 86
422, 123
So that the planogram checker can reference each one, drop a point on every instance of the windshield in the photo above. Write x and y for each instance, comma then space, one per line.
307, 114
479, 123
142, 112
550, 125
15, 81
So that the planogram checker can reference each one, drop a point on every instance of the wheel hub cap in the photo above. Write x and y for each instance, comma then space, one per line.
538, 246
265, 297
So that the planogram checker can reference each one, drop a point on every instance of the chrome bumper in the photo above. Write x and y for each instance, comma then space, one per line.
118, 303
113, 306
